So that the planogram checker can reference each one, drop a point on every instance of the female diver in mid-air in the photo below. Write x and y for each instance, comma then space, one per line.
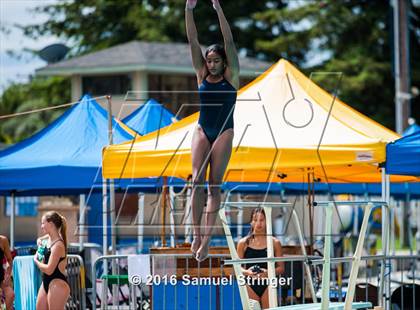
218, 80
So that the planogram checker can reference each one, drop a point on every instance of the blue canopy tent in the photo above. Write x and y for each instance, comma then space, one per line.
411, 129
403, 156
149, 117
62, 159
65, 157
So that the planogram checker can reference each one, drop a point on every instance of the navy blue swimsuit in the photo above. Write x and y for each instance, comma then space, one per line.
216, 108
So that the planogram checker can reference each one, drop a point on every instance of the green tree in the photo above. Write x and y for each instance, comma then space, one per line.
97, 24
36, 94
92, 25
350, 37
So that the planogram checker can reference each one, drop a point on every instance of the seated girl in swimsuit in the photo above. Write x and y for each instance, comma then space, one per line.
54, 290
254, 245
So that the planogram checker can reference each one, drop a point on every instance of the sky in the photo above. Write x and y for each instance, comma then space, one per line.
14, 12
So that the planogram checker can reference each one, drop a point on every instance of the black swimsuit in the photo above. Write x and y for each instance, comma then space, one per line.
259, 289
46, 279
216, 108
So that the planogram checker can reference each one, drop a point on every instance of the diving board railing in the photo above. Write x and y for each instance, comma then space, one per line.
270, 249
325, 289
384, 299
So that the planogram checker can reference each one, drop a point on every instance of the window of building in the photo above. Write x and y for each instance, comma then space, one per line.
178, 93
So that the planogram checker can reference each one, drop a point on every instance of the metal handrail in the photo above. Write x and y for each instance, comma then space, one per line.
292, 258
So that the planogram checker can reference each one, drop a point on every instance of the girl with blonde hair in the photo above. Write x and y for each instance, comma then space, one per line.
52, 262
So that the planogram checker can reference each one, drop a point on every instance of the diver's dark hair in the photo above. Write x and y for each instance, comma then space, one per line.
218, 49
251, 230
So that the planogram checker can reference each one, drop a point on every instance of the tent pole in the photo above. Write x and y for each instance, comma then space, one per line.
112, 217
172, 204
382, 271
112, 206
111, 182
104, 220
311, 214
140, 223
12, 220
389, 211
163, 210
188, 216
104, 217
82, 209
104, 237
418, 228
384, 284
240, 219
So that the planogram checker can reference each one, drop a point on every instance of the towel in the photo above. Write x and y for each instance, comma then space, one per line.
26, 281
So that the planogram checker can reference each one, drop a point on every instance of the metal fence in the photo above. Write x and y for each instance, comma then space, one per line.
170, 288
76, 278
177, 281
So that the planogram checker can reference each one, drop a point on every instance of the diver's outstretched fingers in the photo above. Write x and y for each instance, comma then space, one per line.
191, 4
216, 4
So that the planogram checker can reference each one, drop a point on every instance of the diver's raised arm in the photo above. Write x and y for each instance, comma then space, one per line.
196, 54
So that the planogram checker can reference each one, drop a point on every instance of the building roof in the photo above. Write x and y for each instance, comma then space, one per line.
141, 56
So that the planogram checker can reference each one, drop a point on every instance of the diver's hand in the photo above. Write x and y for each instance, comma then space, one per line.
264, 273
248, 272
190, 4
216, 5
